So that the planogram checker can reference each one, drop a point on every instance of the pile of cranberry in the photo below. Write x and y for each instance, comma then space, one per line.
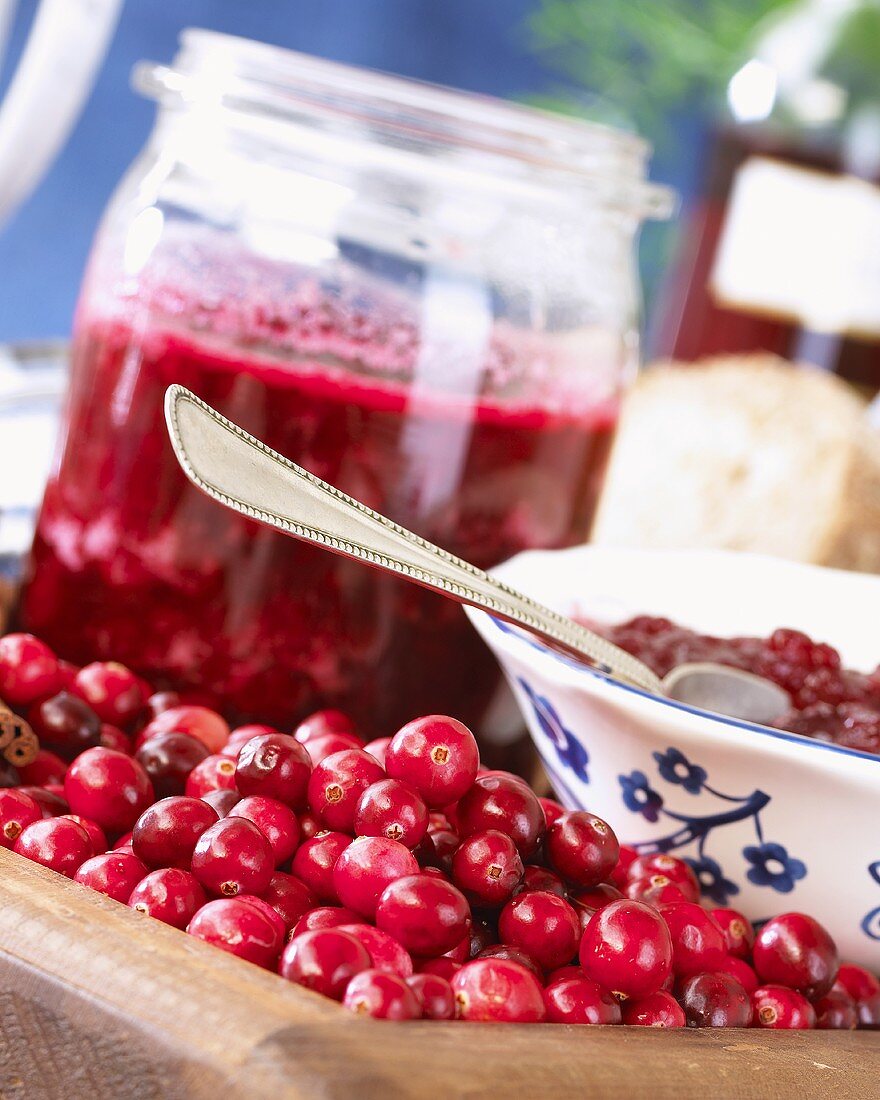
397, 877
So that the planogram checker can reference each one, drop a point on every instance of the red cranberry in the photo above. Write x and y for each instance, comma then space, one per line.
109, 787
591, 899
385, 951
28, 669
277, 822
111, 690
483, 933
580, 1001
168, 758
309, 825
553, 810
240, 737
836, 1011
325, 916
698, 943
444, 967
200, 722
658, 1009
233, 857
319, 748
620, 875
382, 995
497, 802
461, 952
435, 996
675, 870
160, 701
17, 811
541, 878
487, 867
323, 722
289, 897
560, 972
274, 766
366, 867
112, 873
166, 833
236, 926
324, 960
739, 936
45, 768
742, 971
378, 749
796, 951
57, 843
315, 860
170, 895
435, 755
95, 832
864, 989
214, 773
508, 953
626, 947
498, 989
112, 737
66, 676
582, 848
656, 890
438, 848
222, 801
543, 925
715, 1000
775, 1006
428, 916
122, 842
391, 808
66, 723
336, 785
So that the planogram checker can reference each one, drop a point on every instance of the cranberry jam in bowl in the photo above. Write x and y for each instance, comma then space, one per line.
770, 818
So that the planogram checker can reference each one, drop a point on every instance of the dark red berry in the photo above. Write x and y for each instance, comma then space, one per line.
553, 810
222, 801
742, 971
541, 878
589, 899
112, 873
51, 804
168, 760
57, 843
391, 808
715, 1000
386, 951
336, 786
96, 833
112, 737
428, 916
487, 867
658, 1009
626, 948
620, 875
836, 1011
242, 929
509, 953
676, 870
323, 722
378, 749
775, 1006
656, 890
864, 988
382, 995
315, 860
580, 1001
366, 867
324, 960
233, 857
17, 811
274, 766
508, 805
109, 787
543, 925
66, 723
200, 722
240, 737
794, 950
498, 989
47, 767
582, 848
166, 833
698, 945
435, 996
319, 748
28, 669
325, 916
277, 822
170, 895
739, 936
112, 691
444, 967
214, 773
289, 897
436, 756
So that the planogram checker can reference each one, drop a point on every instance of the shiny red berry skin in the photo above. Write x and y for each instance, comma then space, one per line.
170, 895
112, 873
325, 916
240, 736
435, 996
112, 691
166, 833
381, 995
437, 756
95, 832
214, 773
836, 1011
109, 787
444, 967
336, 786
541, 878
57, 843
553, 810
274, 766
698, 945
309, 825
289, 897
498, 990
427, 915
319, 748
378, 749
620, 875
715, 1000
864, 988
236, 926
233, 857
658, 1009
505, 804
323, 722
488, 868
204, 724
775, 1006
543, 925
656, 890
794, 950
222, 801
508, 953
742, 971
670, 867
626, 948
590, 899
315, 860
277, 822
65, 724
366, 867
580, 1001
324, 960
47, 767
582, 848
386, 951
17, 811
168, 760
29, 669
112, 737
391, 808
739, 936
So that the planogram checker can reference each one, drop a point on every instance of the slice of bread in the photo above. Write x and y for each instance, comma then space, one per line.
748, 453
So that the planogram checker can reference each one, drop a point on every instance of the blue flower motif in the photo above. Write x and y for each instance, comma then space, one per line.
773, 866
712, 881
675, 767
871, 923
639, 796
570, 751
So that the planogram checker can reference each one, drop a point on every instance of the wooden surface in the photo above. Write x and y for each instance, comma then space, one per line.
99, 1002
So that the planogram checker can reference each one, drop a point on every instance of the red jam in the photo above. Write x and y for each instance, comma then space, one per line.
828, 702
133, 563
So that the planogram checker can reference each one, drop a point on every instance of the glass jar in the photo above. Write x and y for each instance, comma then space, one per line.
426, 298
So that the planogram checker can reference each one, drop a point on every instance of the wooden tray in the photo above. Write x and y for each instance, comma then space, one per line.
99, 1002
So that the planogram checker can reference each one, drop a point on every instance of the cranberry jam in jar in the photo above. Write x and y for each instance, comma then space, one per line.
424, 298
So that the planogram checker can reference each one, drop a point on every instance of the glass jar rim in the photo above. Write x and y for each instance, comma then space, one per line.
257, 78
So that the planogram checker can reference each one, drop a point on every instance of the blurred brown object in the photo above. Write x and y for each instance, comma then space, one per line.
746, 453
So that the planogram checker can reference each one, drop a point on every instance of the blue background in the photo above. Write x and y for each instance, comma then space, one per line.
480, 45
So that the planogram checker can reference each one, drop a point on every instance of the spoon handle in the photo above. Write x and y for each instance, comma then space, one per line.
241, 472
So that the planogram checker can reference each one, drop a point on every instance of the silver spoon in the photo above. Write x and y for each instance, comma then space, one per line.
240, 471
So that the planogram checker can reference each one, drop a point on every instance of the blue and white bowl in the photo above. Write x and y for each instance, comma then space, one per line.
770, 821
